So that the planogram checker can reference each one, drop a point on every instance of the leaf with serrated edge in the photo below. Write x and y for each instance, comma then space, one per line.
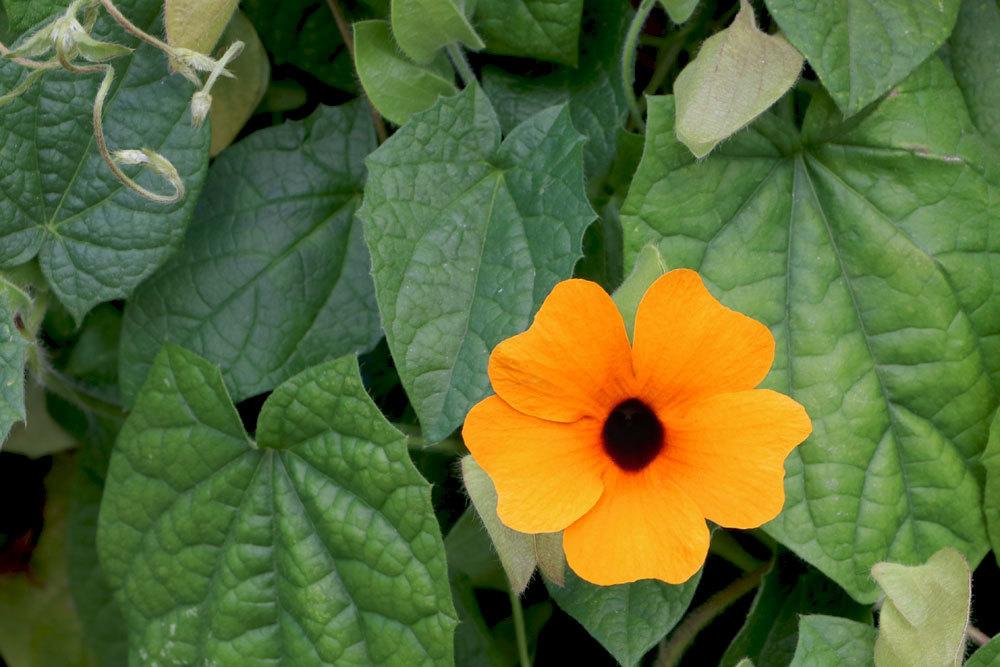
274, 275
468, 235
422, 27
861, 48
925, 613
845, 242
542, 29
594, 90
825, 641
316, 544
95, 239
738, 74
627, 619
397, 87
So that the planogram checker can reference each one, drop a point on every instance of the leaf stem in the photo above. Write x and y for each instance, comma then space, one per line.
345, 33
130, 27
628, 60
461, 64
517, 615
977, 636
725, 546
672, 649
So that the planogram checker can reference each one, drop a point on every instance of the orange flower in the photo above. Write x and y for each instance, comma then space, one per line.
630, 448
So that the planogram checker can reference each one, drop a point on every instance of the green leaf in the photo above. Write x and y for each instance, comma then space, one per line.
24, 14
542, 29
627, 619
648, 267
843, 240
104, 627
976, 61
38, 625
679, 10
862, 48
991, 492
468, 235
274, 274
738, 74
13, 356
197, 24
471, 554
303, 33
925, 613
422, 27
95, 239
826, 641
593, 91
986, 656
317, 544
236, 99
789, 591
397, 87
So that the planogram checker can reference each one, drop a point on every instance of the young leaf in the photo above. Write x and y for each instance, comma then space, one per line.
648, 267
976, 60
679, 10
593, 91
738, 74
789, 591
422, 27
468, 235
197, 24
541, 29
516, 550
397, 87
95, 239
861, 48
13, 357
274, 275
38, 625
315, 545
826, 237
986, 656
925, 613
236, 99
627, 619
827, 640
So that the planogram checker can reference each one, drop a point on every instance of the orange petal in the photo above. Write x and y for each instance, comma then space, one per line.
728, 452
547, 474
573, 361
687, 344
643, 527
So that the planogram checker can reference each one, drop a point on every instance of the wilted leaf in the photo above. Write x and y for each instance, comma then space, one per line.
738, 74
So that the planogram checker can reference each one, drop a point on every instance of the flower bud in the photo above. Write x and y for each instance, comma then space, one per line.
201, 105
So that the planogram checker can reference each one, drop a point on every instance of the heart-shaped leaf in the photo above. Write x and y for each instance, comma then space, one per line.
316, 544
423, 27
542, 29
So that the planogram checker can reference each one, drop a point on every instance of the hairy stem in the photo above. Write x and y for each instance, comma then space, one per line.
725, 546
977, 636
628, 60
348, 37
672, 649
517, 615
131, 28
461, 64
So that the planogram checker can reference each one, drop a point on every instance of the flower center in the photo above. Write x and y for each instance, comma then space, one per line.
633, 435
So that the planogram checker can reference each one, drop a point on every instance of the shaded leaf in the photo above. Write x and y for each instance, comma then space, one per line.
976, 61
861, 48
738, 74
274, 275
843, 240
679, 10
627, 619
825, 641
236, 99
468, 235
24, 14
542, 29
95, 239
13, 356
925, 613
320, 535
397, 87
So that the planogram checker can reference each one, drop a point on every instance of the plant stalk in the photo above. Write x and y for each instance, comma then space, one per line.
517, 615
628, 60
